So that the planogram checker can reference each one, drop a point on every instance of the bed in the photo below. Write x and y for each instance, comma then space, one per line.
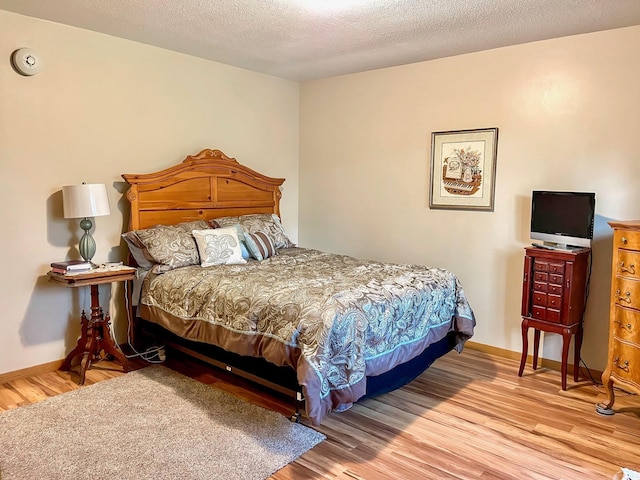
222, 282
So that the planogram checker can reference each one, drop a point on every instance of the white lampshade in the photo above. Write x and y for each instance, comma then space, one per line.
86, 200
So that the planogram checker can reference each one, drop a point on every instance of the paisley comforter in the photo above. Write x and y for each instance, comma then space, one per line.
333, 318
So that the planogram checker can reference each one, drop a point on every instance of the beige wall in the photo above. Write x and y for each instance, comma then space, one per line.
102, 107
569, 119
567, 110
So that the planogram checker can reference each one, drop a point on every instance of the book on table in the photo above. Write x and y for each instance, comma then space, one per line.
71, 266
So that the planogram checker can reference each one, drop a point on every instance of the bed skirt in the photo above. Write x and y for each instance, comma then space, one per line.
283, 379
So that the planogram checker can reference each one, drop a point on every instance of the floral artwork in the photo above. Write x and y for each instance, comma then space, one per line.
463, 169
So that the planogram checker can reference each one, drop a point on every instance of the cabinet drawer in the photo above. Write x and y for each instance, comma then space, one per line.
626, 292
628, 264
555, 289
540, 277
625, 361
539, 312
554, 301
549, 314
553, 315
626, 239
540, 299
555, 278
540, 266
540, 286
556, 268
626, 324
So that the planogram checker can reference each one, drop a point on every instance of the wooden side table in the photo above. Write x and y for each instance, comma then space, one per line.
95, 338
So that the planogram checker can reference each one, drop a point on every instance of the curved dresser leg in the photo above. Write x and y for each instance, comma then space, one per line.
607, 407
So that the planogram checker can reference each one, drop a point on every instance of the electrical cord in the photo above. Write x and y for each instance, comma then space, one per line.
588, 285
151, 354
584, 310
599, 385
593, 380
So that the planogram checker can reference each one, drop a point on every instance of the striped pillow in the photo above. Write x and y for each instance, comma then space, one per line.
260, 245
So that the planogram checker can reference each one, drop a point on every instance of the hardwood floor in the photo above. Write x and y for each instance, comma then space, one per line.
468, 417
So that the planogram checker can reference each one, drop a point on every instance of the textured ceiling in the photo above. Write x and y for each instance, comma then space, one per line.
310, 39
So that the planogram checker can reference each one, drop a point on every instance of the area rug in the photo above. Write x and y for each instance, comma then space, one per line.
149, 424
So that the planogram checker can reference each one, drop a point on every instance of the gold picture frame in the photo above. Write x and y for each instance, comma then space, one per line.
463, 169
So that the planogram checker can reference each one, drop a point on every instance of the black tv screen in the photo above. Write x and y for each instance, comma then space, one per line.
564, 218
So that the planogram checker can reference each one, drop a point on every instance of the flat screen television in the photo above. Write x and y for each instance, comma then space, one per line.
562, 220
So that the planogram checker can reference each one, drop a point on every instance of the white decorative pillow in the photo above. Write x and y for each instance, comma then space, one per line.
218, 246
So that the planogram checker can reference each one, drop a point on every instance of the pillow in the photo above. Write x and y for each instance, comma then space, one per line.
218, 246
268, 223
260, 245
137, 250
243, 245
169, 246
245, 251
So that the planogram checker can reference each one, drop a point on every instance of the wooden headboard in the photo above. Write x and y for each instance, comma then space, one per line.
204, 186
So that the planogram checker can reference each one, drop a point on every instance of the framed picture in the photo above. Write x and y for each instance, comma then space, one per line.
463, 169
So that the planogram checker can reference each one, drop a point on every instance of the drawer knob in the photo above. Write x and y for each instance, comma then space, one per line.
624, 241
621, 365
626, 298
630, 269
628, 327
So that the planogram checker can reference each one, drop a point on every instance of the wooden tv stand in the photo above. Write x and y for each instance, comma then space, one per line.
553, 300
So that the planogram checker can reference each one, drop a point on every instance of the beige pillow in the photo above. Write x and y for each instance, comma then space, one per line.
138, 251
218, 246
170, 246
268, 223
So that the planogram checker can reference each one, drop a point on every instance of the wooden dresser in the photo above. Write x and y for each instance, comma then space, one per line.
623, 366
553, 300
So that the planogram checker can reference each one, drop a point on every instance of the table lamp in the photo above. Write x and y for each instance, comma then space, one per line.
84, 201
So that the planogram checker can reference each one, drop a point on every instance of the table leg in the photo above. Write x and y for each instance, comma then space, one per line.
95, 338
80, 347
109, 346
88, 350
536, 347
